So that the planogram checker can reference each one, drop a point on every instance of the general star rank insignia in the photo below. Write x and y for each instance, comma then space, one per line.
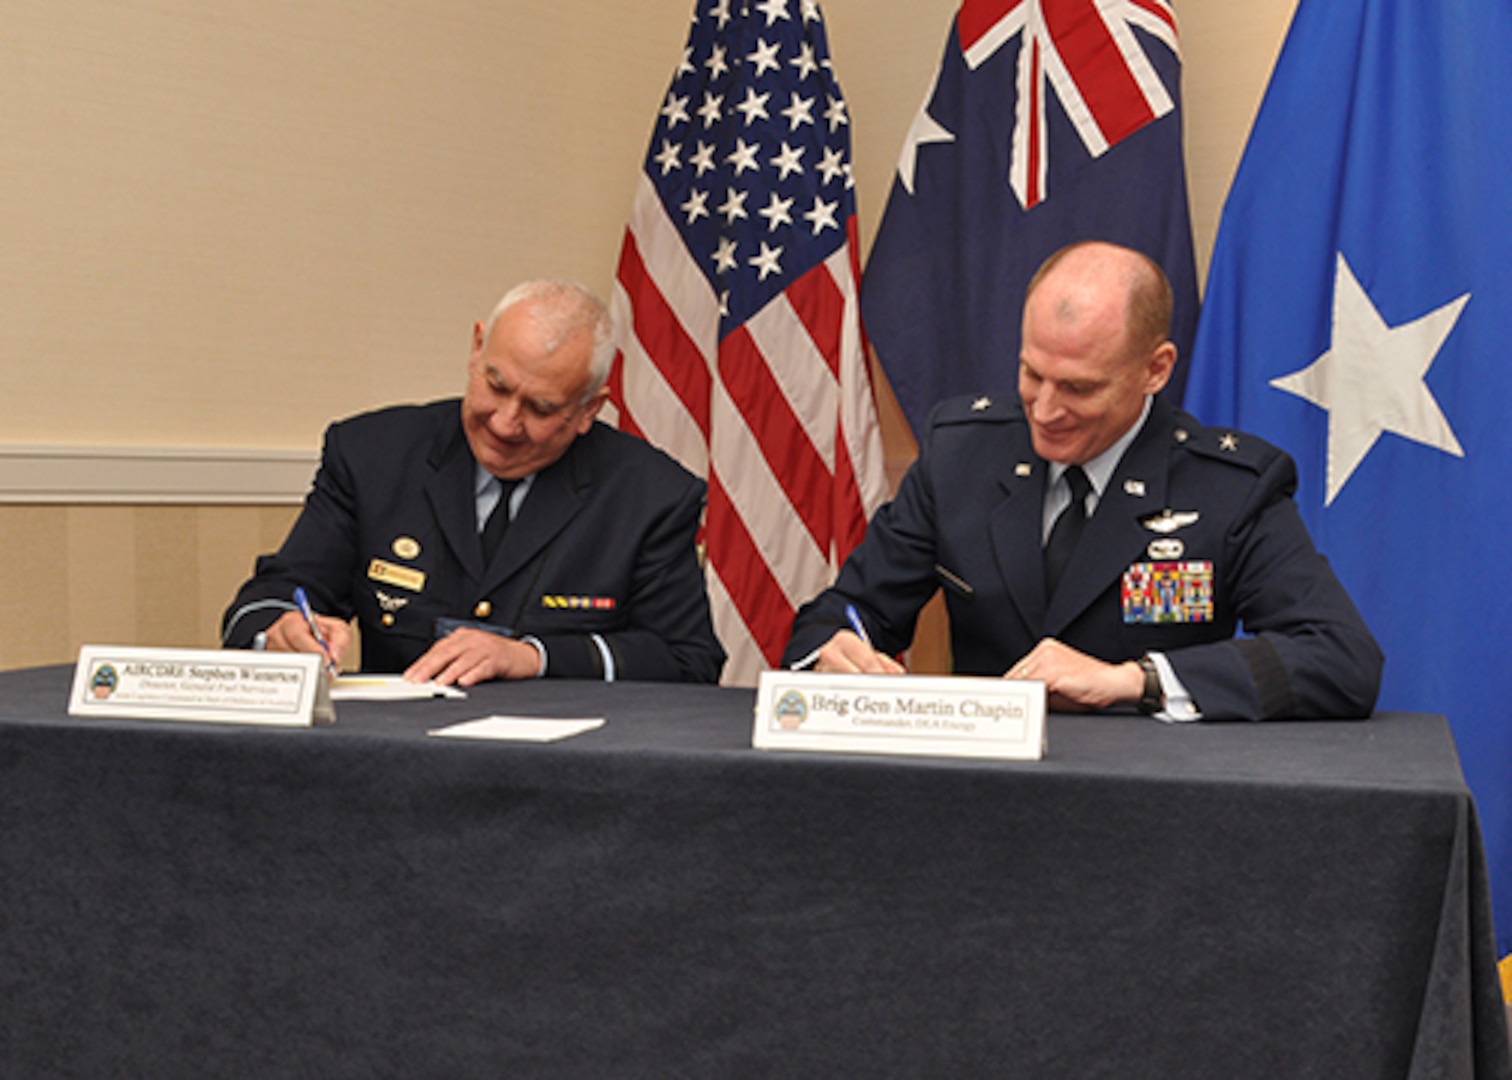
981, 404
1229, 442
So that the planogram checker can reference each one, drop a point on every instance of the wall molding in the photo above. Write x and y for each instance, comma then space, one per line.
140, 474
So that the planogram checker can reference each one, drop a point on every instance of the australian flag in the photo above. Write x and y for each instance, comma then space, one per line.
1050, 121
1359, 314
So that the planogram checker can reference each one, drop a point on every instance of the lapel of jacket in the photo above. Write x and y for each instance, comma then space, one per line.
554, 499
450, 491
1015, 528
1114, 537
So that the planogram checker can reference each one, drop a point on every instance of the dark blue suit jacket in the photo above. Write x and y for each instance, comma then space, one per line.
603, 544
967, 519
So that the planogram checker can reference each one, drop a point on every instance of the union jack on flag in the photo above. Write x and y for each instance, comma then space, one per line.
1050, 121
737, 315
1087, 51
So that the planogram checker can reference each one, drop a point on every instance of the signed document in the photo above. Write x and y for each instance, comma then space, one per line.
388, 688
519, 728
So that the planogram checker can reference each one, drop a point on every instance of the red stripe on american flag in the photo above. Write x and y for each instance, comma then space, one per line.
850, 511
663, 338
979, 16
784, 443
755, 593
1093, 58
616, 382
821, 308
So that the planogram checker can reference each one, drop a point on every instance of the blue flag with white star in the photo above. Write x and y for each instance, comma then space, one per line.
1050, 121
1359, 314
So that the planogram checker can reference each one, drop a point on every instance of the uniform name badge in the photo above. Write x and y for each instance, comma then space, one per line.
1168, 592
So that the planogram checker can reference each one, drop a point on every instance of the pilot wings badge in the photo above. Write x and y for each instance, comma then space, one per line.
1168, 521
390, 604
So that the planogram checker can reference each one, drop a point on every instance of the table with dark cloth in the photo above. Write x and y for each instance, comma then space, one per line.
657, 899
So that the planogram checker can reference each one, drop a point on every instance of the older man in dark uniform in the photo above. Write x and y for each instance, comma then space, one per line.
1092, 536
503, 536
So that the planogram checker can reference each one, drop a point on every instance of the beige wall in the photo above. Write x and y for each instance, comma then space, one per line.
224, 223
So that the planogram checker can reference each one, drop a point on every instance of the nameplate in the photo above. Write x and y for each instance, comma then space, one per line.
957, 716
225, 687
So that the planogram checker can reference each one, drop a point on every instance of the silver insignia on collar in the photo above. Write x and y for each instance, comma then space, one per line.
981, 404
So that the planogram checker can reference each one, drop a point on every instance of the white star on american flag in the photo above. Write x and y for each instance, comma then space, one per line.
734, 205
777, 212
766, 260
787, 161
822, 216
773, 10
743, 157
753, 108
765, 57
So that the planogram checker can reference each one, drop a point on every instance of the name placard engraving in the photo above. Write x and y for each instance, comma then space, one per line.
956, 716
219, 686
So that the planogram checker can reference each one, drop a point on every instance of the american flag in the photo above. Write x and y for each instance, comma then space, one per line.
737, 315
1050, 121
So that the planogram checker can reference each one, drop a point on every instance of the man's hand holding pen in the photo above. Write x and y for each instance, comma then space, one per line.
292, 633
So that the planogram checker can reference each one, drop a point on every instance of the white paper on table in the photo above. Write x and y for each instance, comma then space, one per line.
519, 728
388, 688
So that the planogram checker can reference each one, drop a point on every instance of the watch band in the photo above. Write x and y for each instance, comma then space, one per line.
1153, 698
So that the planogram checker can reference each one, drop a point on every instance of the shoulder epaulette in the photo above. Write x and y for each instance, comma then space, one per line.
974, 408
1223, 444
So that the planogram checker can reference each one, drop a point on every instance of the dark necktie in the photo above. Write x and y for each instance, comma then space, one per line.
1067, 529
498, 522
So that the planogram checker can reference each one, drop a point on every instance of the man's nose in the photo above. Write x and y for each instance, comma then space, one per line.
1046, 405
507, 419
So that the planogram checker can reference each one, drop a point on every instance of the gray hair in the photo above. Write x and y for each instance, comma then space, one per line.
563, 310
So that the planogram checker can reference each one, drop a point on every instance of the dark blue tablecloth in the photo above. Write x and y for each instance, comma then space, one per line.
657, 899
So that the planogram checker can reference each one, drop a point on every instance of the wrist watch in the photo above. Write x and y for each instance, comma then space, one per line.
1153, 698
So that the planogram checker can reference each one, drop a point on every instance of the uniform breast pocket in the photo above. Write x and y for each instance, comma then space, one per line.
397, 599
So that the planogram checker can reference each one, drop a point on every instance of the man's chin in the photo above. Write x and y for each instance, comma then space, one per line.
504, 465
1059, 450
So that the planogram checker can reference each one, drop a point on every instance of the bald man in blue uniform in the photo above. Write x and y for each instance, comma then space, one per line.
1189, 536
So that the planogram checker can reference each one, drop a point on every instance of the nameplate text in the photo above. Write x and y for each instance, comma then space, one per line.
218, 686
956, 716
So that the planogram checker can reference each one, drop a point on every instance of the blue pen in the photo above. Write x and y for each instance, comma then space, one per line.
309, 613
857, 625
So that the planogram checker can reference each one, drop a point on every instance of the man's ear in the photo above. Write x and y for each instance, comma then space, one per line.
591, 410
1159, 367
